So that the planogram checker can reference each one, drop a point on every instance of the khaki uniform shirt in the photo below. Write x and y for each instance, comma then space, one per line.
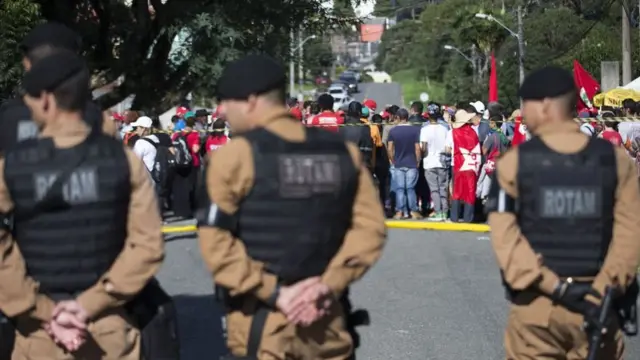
139, 260
521, 266
230, 177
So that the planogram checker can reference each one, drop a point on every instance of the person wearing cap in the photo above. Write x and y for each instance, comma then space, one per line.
327, 119
563, 214
79, 246
15, 119
464, 146
481, 127
283, 243
144, 149
371, 104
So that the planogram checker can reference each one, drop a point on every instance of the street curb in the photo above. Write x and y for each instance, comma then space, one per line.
392, 224
437, 226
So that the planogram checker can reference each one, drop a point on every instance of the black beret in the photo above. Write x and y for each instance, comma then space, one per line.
53, 34
50, 72
250, 75
548, 82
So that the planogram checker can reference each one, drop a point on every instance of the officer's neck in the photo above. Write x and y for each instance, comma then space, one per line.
64, 123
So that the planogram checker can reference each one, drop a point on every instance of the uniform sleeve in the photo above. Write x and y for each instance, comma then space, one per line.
143, 251
365, 239
620, 265
18, 293
521, 267
229, 178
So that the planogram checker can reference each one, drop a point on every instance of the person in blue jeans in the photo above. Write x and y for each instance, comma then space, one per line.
404, 151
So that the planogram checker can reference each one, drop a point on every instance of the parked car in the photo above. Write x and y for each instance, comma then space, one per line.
323, 81
338, 86
341, 98
350, 80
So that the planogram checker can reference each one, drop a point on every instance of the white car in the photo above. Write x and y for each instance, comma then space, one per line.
335, 86
341, 101
338, 92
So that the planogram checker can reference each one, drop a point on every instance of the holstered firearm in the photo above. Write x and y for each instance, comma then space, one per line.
597, 332
627, 309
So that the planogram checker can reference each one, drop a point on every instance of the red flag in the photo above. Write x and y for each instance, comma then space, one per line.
519, 133
493, 80
466, 160
587, 86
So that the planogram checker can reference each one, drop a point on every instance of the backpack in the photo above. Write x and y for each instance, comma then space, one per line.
163, 168
182, 154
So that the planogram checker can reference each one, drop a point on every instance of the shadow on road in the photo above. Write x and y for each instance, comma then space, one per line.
200, 327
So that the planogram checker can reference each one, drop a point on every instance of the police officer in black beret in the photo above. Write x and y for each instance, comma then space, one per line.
15, 119
563, 213
293, 220
82, 231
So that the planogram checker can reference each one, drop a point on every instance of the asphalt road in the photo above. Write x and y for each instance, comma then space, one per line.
383, 94
433, 295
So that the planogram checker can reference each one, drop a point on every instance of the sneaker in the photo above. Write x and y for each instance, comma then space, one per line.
398, 215
416, 215
435, 217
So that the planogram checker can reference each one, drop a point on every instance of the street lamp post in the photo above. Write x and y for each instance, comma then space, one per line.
292, 70
519, 35
473, 63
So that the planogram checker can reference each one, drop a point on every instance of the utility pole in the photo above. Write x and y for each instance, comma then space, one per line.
292, 71
300, 63
520, 44
474, 64
626, 45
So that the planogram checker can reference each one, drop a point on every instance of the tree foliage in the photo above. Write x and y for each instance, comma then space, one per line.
17, 17
159, 51
318, 56
555, 32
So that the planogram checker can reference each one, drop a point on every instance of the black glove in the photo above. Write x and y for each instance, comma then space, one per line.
572, 295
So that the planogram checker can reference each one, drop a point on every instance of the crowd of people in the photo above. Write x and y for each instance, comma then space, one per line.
426, 161
175, 155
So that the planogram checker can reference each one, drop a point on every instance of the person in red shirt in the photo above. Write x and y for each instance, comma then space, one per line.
611, 134
326, 119
217, 137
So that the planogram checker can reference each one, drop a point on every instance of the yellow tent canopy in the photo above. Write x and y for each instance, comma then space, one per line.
615, 97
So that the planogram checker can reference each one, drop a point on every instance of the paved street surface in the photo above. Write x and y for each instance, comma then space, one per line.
383, 94
433, 295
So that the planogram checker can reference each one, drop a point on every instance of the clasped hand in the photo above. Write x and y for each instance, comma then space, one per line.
305, 302
68, 325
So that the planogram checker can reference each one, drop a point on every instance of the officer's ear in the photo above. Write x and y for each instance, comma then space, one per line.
252, 102
47, 101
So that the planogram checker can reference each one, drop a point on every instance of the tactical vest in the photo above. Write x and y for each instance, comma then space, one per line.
295, 217
68, 248
566, 203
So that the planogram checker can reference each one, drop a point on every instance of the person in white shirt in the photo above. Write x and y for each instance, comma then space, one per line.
144, 147
432, 142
